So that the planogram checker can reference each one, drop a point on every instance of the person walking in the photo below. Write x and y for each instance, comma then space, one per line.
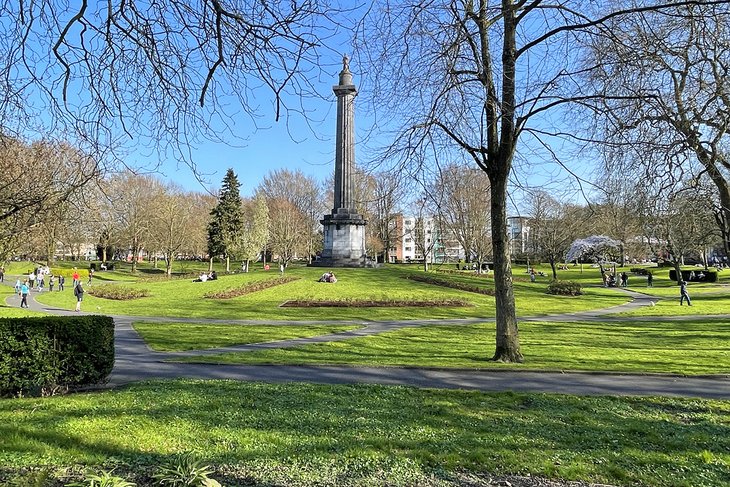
51, 282
75, 277
17, 286
79, 293
24, 290
91, 275
61, 281
683, 294
2, 274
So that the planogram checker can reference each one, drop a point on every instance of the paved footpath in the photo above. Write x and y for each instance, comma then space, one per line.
135, 361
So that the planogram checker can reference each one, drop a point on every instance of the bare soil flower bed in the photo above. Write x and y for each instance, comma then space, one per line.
461, 286
119, 293
371, 303
249, 288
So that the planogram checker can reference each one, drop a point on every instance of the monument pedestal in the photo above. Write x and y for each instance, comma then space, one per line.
344, 241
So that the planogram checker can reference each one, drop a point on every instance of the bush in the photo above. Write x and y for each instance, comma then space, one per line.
707, 276
40, 356
120, 293
641, 271
564, 288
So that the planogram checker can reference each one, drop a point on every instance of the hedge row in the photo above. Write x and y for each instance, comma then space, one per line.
40, 356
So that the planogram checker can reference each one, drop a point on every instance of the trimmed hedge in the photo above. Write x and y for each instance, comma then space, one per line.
709, 276
564, 288
44, 355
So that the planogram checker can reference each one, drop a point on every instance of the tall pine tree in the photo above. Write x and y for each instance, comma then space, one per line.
226, 220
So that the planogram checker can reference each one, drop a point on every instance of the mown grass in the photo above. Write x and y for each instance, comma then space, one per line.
687, 347
303, 434
185, 298
10, 303
179, 337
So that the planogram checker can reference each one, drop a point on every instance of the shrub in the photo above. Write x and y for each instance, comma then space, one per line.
120, 293
185, 470
43, 355
104, 479
641, 271
564, 288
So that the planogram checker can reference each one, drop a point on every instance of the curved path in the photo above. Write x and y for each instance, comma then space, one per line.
136, 361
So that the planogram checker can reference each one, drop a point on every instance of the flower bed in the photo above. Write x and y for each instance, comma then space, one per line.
119, 293
371, 303
249, 288
461, 286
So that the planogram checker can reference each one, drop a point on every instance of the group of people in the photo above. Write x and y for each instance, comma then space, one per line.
612, 280
37, 278
328, 276
533, 274
205, 277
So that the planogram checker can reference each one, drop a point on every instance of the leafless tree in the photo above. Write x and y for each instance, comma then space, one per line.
36, 182
134, 208
287, 230
463, 197
305, 195
664, 73
554, 226
255, 232
378, 197
164, 73
476, 78
171, 222
677, 224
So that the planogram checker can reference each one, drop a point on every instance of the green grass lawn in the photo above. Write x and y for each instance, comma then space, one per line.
179, 337
10, 304
181, 297
303, 434
687, 347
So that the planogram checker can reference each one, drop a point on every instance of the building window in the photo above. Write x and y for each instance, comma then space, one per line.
408, 222
408, 249
408, 240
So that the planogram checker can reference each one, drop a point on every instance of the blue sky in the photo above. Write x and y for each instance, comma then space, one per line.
286, 144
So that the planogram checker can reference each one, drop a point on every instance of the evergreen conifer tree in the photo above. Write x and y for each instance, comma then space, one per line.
226, 219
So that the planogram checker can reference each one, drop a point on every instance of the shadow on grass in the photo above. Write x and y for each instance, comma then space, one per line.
310, 426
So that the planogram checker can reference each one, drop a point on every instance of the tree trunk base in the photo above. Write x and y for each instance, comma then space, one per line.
508, 356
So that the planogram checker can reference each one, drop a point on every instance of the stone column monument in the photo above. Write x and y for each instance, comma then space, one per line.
344, 228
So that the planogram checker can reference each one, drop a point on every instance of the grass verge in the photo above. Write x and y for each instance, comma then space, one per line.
303, 434
180, 337
686, 348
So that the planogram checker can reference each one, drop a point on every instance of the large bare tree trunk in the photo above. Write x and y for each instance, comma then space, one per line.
508, 342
